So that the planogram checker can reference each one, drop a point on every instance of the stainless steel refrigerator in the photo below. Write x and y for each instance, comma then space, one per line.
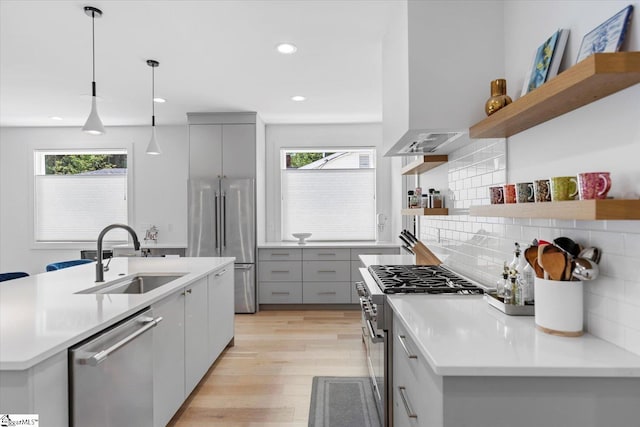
222, 223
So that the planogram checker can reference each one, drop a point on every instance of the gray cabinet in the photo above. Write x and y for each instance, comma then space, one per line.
422, 398
221, 315
168, 362
196, 336
198, 323
222, 144
280, 276
311, 275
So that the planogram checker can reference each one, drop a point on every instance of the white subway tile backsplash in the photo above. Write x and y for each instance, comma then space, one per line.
623, 226
478, 246
610, 243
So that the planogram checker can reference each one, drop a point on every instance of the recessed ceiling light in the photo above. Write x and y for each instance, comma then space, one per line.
298, 98
55, 118
159, 100
286, 48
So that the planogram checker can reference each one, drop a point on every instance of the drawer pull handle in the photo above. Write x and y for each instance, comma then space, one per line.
405, 402
406, 350
280, 271
280, 293
277, 254
327, 254
326, 271
327, 293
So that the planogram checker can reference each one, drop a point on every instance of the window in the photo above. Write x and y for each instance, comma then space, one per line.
330, 194
78, 193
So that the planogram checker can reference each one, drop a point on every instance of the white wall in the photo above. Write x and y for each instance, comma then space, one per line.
159, 193
604, 135
329, 136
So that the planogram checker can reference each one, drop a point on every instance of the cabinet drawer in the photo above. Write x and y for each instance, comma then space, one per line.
325, 254
285, 271
372, 251
279, 254
326, 271
326, 293
280, 293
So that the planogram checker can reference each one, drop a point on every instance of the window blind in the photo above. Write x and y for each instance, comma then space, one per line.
77, 208
333, 204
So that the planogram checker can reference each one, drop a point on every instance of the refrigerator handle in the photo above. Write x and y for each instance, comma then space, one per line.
224, 221
216, 222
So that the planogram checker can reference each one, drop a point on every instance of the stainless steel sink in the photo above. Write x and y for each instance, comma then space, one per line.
138, 284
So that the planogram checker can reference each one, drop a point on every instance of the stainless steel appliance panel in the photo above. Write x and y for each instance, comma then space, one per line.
238, 207
111, 376
245, 288
204, 200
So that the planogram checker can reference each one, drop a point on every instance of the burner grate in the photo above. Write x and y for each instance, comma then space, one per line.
430, 279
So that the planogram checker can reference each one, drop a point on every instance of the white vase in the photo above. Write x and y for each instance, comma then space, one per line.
559, 307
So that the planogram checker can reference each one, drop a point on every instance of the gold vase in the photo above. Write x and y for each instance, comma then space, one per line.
499, 97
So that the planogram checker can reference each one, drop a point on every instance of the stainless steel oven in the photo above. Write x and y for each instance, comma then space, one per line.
376, 335
377, 317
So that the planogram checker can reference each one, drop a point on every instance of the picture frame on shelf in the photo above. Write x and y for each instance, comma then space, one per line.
546, 61
608, 36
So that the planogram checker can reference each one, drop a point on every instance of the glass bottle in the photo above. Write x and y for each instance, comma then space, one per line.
519, 291
514, 265
528, 277
502, 283
509, 291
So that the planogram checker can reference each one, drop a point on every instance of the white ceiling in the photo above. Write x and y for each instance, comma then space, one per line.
214, 56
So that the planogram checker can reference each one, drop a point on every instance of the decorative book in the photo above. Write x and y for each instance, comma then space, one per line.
546, 61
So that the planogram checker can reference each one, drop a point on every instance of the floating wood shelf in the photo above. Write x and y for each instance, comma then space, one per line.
596, 77
424, 164
425, 211
612, 209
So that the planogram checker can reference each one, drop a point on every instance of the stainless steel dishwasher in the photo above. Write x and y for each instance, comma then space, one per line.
111, 375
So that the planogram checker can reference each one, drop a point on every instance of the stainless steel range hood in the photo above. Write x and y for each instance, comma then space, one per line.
424, 142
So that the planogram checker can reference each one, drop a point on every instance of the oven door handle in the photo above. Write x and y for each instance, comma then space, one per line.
375, 338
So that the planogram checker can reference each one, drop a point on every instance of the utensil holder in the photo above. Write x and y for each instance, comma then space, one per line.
559, 307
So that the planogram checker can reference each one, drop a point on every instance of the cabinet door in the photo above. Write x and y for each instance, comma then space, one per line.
205, 151
221, 312
239, 150
196, 333
168, 358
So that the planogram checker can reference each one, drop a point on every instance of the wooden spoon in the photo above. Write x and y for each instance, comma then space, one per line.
531, 255
554, 262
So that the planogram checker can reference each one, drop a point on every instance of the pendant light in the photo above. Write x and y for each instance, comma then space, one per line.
153, 147
93, 124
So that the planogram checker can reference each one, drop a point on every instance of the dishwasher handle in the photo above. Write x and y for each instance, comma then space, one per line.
99, 357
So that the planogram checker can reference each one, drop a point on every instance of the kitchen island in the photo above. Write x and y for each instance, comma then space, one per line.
457, 361
42, 316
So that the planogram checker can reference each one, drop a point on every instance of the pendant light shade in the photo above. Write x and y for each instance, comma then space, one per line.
153, 147
93, 124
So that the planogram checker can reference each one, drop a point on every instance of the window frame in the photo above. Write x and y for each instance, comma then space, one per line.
75, 147
281, 163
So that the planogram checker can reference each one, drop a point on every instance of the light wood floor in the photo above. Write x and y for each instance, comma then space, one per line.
265, 379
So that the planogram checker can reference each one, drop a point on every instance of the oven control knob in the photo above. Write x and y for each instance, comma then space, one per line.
360, 289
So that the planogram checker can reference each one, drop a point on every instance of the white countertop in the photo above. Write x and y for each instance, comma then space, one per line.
463, 335
41, 315
312, 244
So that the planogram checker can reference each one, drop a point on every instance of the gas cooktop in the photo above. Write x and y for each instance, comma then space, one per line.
430, 279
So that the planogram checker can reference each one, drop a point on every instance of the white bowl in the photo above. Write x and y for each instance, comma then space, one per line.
301, 237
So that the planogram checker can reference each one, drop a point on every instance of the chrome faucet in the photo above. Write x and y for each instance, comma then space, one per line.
99, 266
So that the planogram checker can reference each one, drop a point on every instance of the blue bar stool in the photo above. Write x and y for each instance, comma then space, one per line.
12, 275
66, 264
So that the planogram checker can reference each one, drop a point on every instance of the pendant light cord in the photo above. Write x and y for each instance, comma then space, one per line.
93, 52
153, 95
